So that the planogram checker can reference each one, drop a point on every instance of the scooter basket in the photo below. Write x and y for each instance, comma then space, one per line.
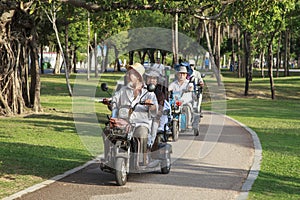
119, 127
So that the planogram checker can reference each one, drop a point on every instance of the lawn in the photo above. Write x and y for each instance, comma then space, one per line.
36, 147
277, 125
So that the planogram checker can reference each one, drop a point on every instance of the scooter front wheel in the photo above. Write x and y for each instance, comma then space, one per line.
166, 165
121, 173
196, 132
175, 131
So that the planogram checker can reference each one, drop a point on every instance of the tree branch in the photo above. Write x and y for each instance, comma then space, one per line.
93, 7
211, 17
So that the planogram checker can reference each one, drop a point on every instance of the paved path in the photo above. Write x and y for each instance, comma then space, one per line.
214, 165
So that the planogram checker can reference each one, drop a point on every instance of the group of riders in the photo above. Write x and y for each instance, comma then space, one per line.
149, 118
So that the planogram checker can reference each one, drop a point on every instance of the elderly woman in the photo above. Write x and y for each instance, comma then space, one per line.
153, 77
130, 95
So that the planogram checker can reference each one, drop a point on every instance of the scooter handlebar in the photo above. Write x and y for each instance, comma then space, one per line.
146, 103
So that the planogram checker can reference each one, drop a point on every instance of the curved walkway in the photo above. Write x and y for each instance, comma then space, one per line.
221, 163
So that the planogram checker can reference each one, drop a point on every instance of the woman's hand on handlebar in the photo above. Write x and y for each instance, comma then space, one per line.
148, 102
106, 101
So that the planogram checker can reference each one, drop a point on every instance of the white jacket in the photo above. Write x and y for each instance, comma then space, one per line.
141, 114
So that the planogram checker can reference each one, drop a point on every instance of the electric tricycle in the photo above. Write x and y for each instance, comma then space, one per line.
122, 151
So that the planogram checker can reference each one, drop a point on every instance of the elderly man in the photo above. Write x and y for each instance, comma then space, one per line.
130, 95
182, 85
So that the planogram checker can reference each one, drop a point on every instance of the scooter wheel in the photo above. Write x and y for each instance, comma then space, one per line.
175, 131
121, 173
196, 132
166, 165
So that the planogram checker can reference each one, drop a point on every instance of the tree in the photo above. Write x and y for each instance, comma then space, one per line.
263, 19
18, 41
51, 12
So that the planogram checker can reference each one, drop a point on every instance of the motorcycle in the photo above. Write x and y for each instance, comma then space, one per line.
122, 151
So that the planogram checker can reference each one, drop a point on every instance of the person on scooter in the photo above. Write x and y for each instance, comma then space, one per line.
197, 79
153, 76
182, 84
196, 74
131, 95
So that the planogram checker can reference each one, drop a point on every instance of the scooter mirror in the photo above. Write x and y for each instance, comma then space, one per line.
151, 87
104, 87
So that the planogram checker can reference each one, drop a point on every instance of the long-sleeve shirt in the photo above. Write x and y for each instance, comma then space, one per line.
178, 89
141, 114
175, 87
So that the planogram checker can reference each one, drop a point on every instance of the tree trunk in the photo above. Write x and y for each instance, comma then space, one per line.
117, 63
106, 57
239, 55
232, 49
67, 52
131, 54
270, 68
41, 59
16, 48
278, 57
151, 55
246, 61
103, 55
175, 39
96, 60
25, 84
214, 68
35, 75
57, 66
75, 60
88, 48
286, 52
262, 60
218, 46
64, 59
251, 66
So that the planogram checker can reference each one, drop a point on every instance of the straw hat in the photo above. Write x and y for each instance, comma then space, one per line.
139, 68
182, 69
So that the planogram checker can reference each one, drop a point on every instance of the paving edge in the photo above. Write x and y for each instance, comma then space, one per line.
254, 170
252, 175
51, 180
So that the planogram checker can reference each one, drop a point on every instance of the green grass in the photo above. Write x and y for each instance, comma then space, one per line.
36, 147
277, 124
